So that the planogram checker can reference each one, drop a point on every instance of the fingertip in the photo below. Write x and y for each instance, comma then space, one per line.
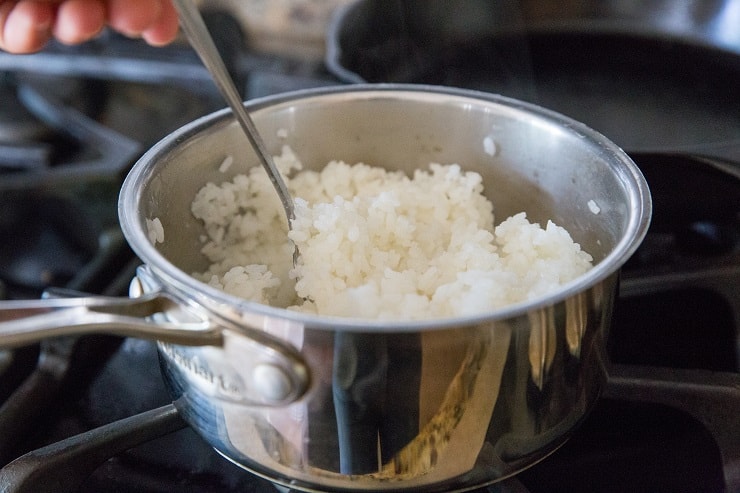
165, 28
133, 17
78, 21
25, 26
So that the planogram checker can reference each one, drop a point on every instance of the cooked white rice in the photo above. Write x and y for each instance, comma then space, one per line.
378, 244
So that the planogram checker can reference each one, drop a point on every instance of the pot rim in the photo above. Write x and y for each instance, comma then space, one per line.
640, 210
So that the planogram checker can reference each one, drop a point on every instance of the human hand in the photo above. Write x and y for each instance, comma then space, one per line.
27, 25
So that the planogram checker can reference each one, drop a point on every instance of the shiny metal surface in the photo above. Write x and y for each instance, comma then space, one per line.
24, 322
441, 405
247, 366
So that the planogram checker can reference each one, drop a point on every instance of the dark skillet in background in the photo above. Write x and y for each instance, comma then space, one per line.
660, 76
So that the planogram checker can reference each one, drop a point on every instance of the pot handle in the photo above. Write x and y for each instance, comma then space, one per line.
25, 322
269, 371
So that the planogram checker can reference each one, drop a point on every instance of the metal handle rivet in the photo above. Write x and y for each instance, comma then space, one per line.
271, 382
135, 288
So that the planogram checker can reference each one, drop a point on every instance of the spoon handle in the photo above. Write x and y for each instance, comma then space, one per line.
200, 39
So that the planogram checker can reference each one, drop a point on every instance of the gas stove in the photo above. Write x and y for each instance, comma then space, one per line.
90, 414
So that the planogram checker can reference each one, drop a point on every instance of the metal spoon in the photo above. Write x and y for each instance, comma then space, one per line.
200, 39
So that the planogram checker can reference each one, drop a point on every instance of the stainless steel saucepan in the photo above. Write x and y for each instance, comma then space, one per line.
332, 404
